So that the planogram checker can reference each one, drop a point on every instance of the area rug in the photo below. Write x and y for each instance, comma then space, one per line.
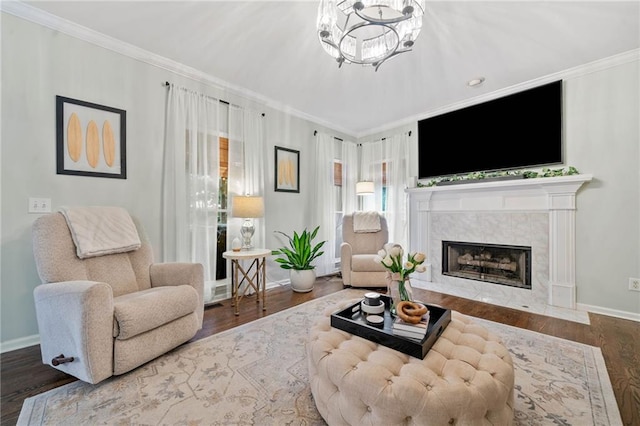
256, 374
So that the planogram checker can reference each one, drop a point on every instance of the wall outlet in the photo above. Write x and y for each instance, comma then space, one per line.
634, 284
39, 205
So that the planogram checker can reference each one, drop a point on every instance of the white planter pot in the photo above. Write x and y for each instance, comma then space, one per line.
302, 281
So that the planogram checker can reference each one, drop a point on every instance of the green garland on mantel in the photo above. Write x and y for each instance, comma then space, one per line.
526, 174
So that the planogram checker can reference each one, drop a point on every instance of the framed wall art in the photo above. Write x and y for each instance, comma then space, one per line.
287, 170
91, 139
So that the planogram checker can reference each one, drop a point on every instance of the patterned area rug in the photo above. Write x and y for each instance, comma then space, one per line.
256, 374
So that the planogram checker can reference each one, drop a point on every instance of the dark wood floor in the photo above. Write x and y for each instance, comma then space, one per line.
23, 374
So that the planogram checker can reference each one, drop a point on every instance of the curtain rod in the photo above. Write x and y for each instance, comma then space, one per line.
167, 84
384, 139
315, 132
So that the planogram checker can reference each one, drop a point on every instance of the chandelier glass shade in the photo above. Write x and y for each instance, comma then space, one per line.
368, 32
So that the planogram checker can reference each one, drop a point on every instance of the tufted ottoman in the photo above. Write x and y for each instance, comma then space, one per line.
465, 379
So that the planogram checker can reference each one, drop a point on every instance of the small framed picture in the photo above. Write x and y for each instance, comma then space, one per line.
91, 139
287, 170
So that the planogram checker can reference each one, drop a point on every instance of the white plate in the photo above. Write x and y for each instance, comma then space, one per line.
375, 319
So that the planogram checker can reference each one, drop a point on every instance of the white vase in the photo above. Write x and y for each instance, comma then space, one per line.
302, 281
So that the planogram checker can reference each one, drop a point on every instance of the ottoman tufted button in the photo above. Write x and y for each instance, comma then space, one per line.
452, 421
368, 409
429, 387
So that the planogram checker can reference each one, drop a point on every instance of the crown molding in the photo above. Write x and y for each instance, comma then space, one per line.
580, 70
38, 16
46, 19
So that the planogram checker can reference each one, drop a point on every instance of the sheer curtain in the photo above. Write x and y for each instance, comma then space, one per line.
246, 166
371, 159
323, 202
396, 153
190, 187
349, 176
389, 181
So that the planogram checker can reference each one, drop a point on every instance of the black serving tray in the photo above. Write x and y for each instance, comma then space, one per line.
352, 320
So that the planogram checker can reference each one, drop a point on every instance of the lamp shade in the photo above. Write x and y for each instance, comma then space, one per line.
364, 187
247, 206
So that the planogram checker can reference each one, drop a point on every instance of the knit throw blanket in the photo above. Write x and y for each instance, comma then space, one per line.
98, 230
366, 222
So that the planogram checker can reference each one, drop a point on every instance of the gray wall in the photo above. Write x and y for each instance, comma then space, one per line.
38, 64
602, 116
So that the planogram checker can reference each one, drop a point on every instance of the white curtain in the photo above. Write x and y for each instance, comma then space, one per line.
246, 167
323, 202
349, 176
255, 159
371, 159
235, 169
396, 151
191, 172
393, 152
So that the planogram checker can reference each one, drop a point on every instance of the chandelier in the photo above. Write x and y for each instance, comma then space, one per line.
368, 32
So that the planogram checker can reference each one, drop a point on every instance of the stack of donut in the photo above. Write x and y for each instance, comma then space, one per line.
411, 312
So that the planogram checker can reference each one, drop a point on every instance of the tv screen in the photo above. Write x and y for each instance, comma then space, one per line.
518, 131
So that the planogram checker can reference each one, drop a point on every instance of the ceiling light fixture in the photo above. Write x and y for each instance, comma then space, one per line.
368, 32
475, 82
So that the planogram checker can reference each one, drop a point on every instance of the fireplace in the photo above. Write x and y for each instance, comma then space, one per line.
493, 263
539, 213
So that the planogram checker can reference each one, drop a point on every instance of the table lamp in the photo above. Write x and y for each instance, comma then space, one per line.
247, 207
364, 187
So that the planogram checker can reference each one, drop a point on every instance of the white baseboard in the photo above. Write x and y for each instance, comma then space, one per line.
273, 284
579, 306
610, 312
22, 342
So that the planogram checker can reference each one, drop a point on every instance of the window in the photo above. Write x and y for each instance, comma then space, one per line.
221, 263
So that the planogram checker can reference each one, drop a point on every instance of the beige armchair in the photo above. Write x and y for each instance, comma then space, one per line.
358, 249
108, 313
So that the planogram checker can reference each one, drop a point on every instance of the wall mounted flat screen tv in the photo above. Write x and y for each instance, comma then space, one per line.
518, 131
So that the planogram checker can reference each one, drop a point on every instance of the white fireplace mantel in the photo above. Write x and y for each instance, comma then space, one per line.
557, 195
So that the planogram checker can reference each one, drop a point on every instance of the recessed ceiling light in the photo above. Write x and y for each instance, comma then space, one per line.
475, 82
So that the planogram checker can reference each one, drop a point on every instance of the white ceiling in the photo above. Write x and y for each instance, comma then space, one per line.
271, 49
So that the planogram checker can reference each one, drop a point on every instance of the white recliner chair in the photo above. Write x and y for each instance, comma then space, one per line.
104, 309
360, 246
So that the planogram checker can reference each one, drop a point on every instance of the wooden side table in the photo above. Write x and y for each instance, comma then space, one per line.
254, 276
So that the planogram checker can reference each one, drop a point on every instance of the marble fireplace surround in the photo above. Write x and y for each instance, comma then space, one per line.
539, 213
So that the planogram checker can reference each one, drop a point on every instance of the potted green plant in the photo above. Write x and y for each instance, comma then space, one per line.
298, 258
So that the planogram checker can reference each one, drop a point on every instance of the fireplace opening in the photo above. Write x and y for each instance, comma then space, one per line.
493, 263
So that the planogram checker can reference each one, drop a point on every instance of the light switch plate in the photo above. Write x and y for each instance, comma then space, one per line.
39, 205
